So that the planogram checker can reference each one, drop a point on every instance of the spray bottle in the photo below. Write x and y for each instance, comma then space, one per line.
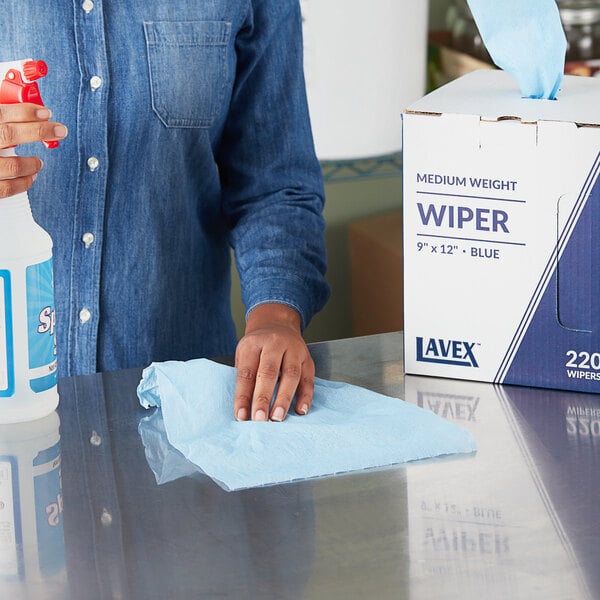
28, 375
32, 544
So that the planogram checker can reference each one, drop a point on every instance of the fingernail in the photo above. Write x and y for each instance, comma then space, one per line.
60, 131
242, 414
34, 176
304, 409
278, 414
43, 113
260, 415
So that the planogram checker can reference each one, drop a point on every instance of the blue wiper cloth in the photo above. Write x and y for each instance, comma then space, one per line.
525, 38
348, 428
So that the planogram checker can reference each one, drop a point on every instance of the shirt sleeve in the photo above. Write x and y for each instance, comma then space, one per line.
271, 180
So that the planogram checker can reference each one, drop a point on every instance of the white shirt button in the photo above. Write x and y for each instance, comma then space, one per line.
88, 239
93, 163
85, 315
88, 6
106, 518
95, 82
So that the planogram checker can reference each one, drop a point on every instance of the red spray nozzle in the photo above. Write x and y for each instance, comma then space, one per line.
35, 69
17, 86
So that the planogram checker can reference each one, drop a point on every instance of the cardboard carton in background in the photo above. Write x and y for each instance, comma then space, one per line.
501, 203
375, 247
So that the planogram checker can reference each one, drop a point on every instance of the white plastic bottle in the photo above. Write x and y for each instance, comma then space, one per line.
28, 375
32, 545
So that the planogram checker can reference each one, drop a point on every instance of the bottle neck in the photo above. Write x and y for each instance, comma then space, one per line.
15, 207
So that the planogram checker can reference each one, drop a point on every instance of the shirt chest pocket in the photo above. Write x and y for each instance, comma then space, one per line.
187, 61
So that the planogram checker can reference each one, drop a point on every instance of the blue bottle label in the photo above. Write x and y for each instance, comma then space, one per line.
7, 367
41, 320
49, 511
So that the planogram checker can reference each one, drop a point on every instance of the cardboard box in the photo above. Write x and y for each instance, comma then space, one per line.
502, 233
375, 246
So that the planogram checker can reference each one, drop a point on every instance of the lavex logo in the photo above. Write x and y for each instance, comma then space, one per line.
446, 352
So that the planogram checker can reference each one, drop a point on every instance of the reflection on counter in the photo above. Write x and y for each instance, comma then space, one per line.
32, 549
166, 462
475, 539
517, 521
563, 439
128, 537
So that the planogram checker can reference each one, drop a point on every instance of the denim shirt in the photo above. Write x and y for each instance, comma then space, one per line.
188, 135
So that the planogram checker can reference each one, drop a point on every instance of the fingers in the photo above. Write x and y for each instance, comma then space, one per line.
11, 187
24, 123
19, 166
264, 372
246, 362
257, 377
306, 390
17, 174
264, 386
23, 113
15, 133
21, 124
297, 379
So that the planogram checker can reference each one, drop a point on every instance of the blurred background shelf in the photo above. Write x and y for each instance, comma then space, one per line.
335, 171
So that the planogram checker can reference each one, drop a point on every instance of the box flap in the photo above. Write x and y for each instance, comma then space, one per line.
495, 95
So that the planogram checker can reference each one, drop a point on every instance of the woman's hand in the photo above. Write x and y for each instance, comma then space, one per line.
272, 354
20, 124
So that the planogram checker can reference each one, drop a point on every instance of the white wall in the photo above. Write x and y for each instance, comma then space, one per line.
346, 202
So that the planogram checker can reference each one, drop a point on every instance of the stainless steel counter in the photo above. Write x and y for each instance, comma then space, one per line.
517, 520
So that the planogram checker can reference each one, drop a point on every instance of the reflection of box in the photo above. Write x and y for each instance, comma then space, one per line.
376, 263
501, 245
480, 526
